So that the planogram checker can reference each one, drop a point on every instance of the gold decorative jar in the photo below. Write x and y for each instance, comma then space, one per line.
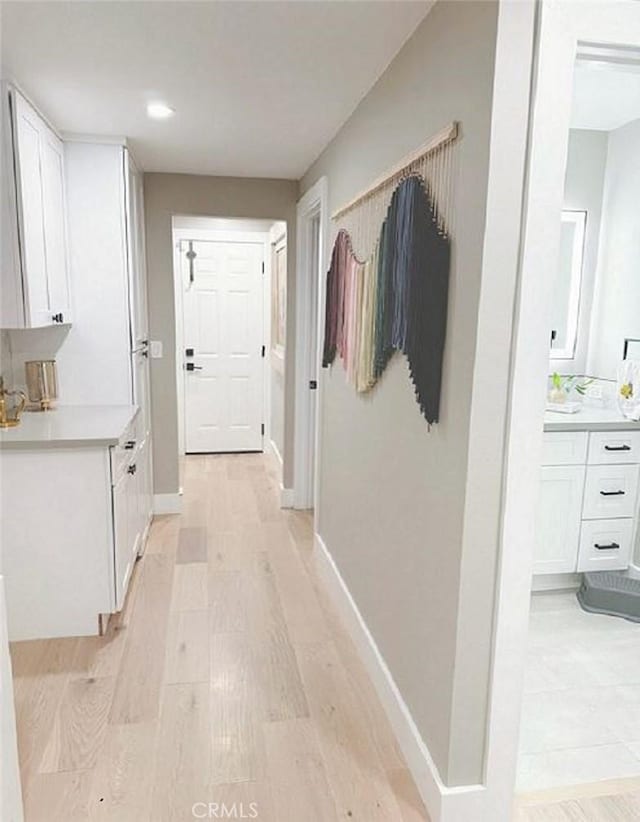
11, 406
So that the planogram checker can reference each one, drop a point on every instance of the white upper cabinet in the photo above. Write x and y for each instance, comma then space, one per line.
41, 277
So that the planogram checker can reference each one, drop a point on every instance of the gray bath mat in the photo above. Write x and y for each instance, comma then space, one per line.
611, 592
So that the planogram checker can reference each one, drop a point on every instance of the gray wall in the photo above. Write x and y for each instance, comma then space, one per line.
583, 189
172, 194
616, 312
392, 494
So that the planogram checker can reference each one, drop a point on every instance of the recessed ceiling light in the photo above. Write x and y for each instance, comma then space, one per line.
160, 111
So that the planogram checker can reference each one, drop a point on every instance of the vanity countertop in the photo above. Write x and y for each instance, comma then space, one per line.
72, 425
589, 419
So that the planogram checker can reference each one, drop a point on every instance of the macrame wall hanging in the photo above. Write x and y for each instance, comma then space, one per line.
387, 286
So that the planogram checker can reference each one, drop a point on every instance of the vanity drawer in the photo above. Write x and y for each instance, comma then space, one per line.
605, 545
564, 448
610, 491
614, 447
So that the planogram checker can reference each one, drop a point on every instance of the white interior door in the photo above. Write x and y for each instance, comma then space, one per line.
223, 337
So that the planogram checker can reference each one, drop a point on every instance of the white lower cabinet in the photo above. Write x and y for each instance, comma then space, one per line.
74, 520
558, 523
130, 467
588, 502
126, 531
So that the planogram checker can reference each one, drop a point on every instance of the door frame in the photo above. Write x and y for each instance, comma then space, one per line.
225, 236
307, 437
561, 27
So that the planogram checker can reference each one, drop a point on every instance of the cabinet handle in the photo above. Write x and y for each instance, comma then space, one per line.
612, 546
617, 448
132, 469
613, 493
130, 445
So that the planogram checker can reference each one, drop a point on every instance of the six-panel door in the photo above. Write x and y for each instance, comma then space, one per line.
223, 326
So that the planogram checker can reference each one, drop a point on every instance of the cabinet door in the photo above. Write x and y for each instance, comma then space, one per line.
145, 488
136, 252
142, 392
558, 519
52, 168
27, 130
122, 553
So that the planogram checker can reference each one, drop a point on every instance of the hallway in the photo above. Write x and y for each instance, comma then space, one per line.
226, 679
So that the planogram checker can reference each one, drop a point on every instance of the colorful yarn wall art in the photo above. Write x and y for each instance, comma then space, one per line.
388, 283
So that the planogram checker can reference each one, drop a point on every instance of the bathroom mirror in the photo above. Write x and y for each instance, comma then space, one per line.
566, 292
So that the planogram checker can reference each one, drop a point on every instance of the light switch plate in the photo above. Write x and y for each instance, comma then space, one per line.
156, 349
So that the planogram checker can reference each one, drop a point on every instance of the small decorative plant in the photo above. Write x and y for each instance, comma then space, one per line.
561, 387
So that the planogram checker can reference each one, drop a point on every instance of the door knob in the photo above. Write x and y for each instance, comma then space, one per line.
191, 367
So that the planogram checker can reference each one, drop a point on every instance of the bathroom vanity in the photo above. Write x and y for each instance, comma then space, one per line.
587, 517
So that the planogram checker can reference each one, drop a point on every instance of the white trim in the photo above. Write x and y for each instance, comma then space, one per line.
555, 582
167, 503
314, 203
286, 497
443, 803
562, 26
228, 236
276, 452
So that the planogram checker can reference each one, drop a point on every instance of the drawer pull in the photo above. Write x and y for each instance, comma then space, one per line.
612, 546
612, 493
617, 448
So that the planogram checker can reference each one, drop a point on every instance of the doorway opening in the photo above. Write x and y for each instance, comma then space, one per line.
580, 724
228, 307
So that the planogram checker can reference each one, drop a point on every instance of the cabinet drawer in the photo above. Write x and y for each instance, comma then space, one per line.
123, 452
605, 545
610, 491
564, 448
614, 447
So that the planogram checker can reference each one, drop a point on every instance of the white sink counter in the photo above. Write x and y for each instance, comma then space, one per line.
73, 425
589, 419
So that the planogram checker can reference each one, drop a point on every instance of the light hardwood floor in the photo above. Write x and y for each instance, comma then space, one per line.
226, 679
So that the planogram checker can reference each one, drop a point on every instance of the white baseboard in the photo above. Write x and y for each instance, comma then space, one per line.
555, 582
167, 503
276, 452
444, 804
286, 497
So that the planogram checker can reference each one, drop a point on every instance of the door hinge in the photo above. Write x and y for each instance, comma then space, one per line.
263, 350
262, 429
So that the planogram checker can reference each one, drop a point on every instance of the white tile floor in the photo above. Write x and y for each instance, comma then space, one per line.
581, 713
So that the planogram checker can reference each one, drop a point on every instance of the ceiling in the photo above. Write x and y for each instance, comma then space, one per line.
605, 97
259, 88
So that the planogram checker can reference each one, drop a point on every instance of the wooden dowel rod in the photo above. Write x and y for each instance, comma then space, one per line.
446, 135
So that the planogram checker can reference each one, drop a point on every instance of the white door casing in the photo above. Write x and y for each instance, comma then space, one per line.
223, 289
312, 263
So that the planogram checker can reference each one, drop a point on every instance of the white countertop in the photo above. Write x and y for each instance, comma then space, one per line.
72, 425
589, 419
